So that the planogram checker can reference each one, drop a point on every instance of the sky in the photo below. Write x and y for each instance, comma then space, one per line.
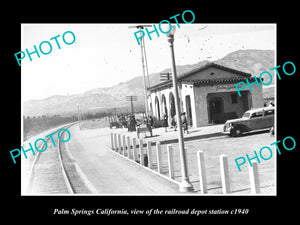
104, 55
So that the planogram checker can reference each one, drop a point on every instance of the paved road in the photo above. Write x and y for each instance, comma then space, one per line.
110, 173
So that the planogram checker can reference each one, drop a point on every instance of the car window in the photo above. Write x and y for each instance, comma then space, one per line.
257, 114
246, 114
269, 112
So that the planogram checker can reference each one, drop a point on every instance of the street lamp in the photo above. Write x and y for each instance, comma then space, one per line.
185, 185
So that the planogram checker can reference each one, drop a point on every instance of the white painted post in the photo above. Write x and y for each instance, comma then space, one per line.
224, 174
116, 143
134, 149
128, 147
119, 142
112, 140
149, 153
158, 155
254, 178
170, 161
141, 152
202, 173
124, 144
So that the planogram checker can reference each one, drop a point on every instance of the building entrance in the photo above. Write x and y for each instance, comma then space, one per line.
188, 110
216, 109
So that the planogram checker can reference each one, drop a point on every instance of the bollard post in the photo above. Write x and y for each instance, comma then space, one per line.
112, 141
224, 174
158, 155
170, 161
202, 173
119, 143
141, 152
128, 147
254, 178
124, 144
134, 149
116, 143
149, 153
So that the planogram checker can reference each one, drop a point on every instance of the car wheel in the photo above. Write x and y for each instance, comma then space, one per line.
237, 132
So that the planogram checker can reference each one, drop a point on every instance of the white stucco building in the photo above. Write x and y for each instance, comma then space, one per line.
208, 95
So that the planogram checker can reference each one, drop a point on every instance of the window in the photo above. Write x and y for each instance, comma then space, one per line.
246, 115
269, 112
257, 114
234, 98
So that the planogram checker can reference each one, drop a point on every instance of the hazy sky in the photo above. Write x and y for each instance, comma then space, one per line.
105, 54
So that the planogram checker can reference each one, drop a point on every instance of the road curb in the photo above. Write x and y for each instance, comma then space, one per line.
146, 168
188, 138
196, 137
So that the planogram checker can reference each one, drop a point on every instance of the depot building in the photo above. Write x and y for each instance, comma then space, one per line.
207, 95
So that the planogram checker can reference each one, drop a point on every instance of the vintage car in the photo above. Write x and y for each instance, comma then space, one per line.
254, 119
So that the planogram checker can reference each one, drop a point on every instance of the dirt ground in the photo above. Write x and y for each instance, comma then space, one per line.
233, 148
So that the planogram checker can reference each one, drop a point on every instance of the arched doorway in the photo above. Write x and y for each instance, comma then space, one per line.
164, 105
151, 109
157, 108
188, 110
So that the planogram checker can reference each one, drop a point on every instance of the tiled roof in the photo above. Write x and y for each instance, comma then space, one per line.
216, 81
183, 77
247, 75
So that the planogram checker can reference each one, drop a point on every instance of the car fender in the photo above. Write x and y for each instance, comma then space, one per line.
243, 127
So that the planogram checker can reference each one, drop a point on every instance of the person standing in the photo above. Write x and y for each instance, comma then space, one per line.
165, 124
151, 121
132, 123
184, 123
173, 123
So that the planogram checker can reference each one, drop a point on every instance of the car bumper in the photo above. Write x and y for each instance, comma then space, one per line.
227, 130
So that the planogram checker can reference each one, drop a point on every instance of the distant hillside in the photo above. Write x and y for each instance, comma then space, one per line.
251, 61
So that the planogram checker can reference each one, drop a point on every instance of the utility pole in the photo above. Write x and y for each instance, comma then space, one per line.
131, 99
165, 76
144, 67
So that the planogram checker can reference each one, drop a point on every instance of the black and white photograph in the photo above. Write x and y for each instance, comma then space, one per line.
129, 132
129, 112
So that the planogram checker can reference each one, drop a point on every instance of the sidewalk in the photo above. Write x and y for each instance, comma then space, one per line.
171, 136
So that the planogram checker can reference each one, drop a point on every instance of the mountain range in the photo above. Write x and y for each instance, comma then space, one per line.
251, 61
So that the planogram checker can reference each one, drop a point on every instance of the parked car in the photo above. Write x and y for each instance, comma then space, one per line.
254, 119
